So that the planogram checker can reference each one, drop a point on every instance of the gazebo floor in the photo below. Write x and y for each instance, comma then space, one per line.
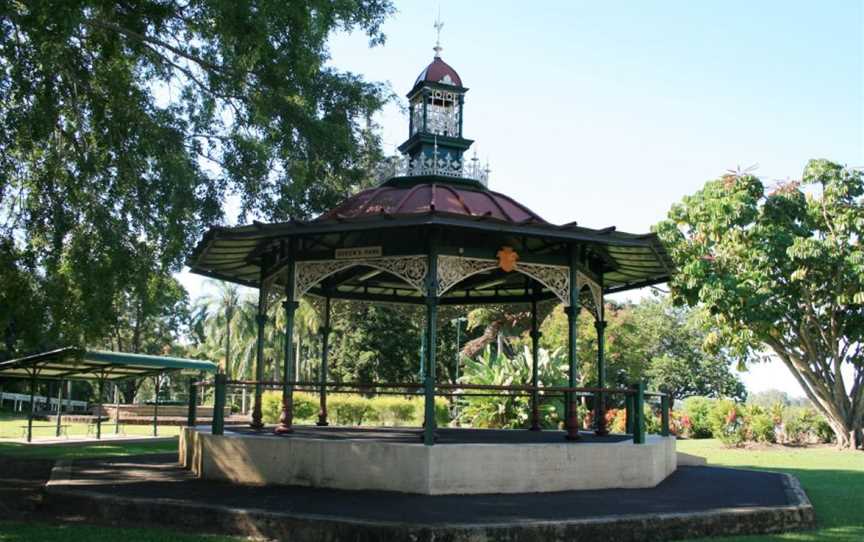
693, 501
444, 435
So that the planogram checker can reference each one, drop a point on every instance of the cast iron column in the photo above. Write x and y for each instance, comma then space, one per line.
325, 348
535, 376
192, 416
572, 336
431, 342
286, 420
600, 407
257, 422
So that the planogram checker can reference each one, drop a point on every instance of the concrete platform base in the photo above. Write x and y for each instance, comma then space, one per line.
693, 502
479, 462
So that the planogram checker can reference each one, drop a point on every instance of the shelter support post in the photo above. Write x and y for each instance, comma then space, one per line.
572, 420
325, 352
257, 422
600, 397
664, 414
431, 341
535, 376
116, 408
157, 380
32, 406
286, 420
59, 427
219, 404
191, 419
101, 393
639, 413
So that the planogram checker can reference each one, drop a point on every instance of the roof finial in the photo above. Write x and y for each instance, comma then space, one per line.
438, 26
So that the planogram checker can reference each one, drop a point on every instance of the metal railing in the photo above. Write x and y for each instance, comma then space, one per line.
635, 397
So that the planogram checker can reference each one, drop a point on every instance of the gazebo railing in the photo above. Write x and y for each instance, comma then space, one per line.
635, 396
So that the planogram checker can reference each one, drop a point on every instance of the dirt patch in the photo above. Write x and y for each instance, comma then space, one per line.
21, 482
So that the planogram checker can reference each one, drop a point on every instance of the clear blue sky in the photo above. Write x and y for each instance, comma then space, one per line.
608, 113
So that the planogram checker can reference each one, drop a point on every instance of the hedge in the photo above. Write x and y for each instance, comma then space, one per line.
355, 409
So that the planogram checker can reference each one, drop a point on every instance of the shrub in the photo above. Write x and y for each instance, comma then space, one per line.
616, 420
800, 425
393, 410
823, 431
351, 409
727, 422
305, 406
761, 428
697, 410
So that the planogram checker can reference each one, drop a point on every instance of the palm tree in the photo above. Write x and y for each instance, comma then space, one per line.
221, 308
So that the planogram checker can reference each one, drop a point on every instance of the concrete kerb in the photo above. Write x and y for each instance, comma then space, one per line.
798, 514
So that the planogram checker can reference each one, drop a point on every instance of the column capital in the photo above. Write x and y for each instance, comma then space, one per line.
290, 305
261, 319
325, 330
572, 310
600, 325
536, 334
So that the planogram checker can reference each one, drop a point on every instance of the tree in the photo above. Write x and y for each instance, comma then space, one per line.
124, 125
648, 340
671, 341
782, 271
221, 308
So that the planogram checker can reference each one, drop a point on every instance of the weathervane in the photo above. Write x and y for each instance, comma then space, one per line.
438, 26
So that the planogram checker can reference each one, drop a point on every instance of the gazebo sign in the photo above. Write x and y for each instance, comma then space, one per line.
359, 252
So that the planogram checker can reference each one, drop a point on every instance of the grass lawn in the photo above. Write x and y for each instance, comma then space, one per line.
10, 428
21, 532
79, 451
833, 480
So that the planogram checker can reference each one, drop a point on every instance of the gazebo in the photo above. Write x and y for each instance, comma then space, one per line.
432, 233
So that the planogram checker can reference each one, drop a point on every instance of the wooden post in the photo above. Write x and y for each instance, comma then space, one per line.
639, 414
116, 409
191, 419
572, 421
59, 409
431, 342
535, 376
325, 350
219, 404
600, 397
286, 420
664, 414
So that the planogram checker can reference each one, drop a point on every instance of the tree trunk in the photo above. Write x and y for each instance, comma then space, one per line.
473, 347
839, 410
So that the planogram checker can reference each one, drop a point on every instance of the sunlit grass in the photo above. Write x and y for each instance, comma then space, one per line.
11, 427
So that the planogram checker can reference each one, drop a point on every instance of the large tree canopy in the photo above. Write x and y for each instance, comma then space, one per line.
124, 125
783, 270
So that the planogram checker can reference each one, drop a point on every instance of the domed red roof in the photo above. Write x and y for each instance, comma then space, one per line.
432, 197
439, 72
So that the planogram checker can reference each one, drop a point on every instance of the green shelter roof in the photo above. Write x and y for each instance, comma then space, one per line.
83, 364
